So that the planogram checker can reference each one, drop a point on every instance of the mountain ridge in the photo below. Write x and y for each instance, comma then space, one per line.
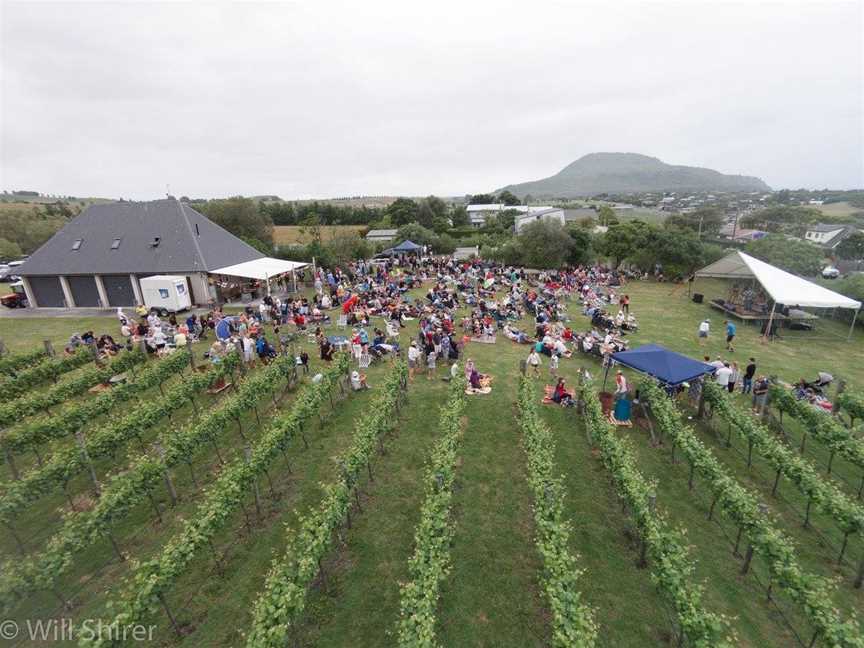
608, 172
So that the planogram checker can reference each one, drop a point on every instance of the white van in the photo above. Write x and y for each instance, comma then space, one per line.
166, 293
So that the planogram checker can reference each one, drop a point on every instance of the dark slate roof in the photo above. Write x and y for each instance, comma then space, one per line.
825, 227
189, 242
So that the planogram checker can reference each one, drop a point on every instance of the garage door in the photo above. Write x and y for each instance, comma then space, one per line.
47, 291
119, 289
84, 291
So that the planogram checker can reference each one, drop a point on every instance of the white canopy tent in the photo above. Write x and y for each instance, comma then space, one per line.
263, 269
783, 287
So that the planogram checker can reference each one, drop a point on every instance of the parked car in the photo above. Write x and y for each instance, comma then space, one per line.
10, 272
830, 272
17, 298
4, 271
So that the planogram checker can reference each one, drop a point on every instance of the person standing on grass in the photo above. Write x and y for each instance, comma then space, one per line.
413, 358
248, 350
722, 375
749, 372
430, 363
730, 335
621, 386
534, 362
733, 378
704, 330
760, 393
553, 365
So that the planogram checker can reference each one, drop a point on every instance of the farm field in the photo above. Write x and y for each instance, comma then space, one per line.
494, 594
298, 235
838, 209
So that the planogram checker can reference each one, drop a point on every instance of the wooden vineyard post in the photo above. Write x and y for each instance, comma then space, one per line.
859, 579
17, 538
843, 548
700, 408
247, 453
2, 348
82, 447
49, 348
95, 352
170, 616
191, 353
172, 492
776, 481
747, 558
10, 460
239, 346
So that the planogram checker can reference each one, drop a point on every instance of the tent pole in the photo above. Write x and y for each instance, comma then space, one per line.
854, 318
294, 280
770, 320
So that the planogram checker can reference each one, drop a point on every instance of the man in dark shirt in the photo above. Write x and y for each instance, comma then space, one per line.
749, 372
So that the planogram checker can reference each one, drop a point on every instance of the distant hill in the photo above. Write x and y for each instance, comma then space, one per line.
597, 173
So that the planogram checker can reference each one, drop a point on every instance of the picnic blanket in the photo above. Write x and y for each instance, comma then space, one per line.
483, 390
484, 340
548, 390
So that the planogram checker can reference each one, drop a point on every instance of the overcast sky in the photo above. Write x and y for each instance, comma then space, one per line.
322, 99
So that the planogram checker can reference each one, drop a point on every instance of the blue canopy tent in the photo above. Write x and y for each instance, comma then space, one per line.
405, 247
666, 366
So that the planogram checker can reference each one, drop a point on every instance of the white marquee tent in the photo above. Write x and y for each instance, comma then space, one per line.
783, 287
263, 269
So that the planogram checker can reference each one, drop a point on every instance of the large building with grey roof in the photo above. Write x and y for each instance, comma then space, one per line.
97, 259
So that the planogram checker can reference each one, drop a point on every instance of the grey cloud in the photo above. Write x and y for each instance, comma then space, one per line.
321, 99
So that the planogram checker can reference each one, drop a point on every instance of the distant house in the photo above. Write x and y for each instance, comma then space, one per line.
478, 214
382, 235
97, 259
546, 214
465, 253
828, 236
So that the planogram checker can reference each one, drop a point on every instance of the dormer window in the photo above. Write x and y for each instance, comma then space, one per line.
77, 244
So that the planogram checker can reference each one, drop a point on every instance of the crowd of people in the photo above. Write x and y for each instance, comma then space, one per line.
460, 303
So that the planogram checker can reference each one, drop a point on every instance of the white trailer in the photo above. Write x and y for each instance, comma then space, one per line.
166, 293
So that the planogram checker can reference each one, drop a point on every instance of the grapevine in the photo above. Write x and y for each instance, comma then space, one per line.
154, 577
74, 418
10, 364
822, 426
852, 403
828, 498
808, 590
29, 404
672, 567
102, 442
127, 489
430, 563
47, 370
573, 623
283, 599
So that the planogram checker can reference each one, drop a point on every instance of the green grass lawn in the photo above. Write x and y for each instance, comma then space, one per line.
492, 596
